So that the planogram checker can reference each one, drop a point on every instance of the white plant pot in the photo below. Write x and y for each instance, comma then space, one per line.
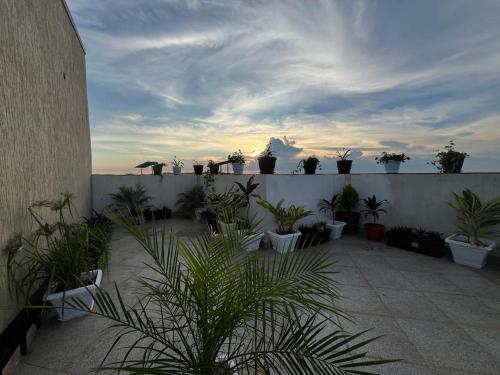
336, 228
469, 255
85, 294
227, 228
392, 166
238, 168
283, 243
177, 170
252, 241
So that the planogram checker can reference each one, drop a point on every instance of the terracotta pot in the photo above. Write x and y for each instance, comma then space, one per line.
374, 232
267, 164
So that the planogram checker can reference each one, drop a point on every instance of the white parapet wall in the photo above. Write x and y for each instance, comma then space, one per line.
418, 200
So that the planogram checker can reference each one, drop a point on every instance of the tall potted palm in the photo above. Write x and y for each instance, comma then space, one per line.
373, 208
476, 221
209, 311
254, 236
330, 207
284, 237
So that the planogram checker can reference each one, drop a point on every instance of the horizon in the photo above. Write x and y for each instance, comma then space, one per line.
203, 79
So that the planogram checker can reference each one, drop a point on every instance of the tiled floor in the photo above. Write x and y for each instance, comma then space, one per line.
439, 317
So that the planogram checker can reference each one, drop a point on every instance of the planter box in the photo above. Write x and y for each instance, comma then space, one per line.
177, 170
283, 243
85, 294
312, 237
227, 228
392, 166
336, 228
417, 244
468, 255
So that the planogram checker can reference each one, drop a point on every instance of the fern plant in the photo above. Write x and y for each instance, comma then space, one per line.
285, 217
476, 219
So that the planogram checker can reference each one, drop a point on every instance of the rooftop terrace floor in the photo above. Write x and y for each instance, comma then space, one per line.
441, 318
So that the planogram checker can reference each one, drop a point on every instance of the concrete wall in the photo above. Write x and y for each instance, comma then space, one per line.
418, 200
44, 126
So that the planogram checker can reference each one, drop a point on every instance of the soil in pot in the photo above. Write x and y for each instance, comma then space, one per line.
374, 232
351, 219
344, 166
267, 164
198, 169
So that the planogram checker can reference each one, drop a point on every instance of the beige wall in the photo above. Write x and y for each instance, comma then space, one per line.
44, 126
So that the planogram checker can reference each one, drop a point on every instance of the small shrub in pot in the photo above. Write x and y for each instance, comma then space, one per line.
177, 166
197, 167
157, 168
348, 202
391, 161
237, 160
344, 164
267, 160
373, 208
449, 160
309, 165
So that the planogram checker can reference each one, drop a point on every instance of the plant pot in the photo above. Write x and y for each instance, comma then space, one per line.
198, 169
162, 213
336, 228
344, 166
267, 164
238, 168
283, 243
177, 170
374, 232
214, 169
392, 166
252, 241
422, 245
454, 165
157, 169
85, 294
312, 237
469, 255
148, 214
228, 228
310, 170
351, 219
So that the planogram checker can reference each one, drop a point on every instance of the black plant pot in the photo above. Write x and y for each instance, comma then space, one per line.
351, 219
267, 164
148, 214
311, 237
214, 169
454, 165
310, 170
423, 245
344, 166
157, 169
198, 169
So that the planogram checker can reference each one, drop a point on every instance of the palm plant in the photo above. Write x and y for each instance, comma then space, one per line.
373, 207
329, 205
476, 219
285, 217
189, 201
131, 201
207, 310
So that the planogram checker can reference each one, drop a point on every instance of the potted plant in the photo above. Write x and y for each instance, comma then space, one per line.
416, 240
373, 208
162, 213
177, 166
344, 164
476, 221
391, 161
309, 165
449, 160
284, 237
267, 162
130, 201
252, 236
313, 235
330, 206
157, 168
348, 201
237, 160
190, 201
198, 167
213, 167
226, 205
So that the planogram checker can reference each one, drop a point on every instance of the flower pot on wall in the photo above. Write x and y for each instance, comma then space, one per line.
392, 166
214, 169
198, 169
238, 168
283, 243
374, 232
344, 166
85, 294
469, 255
267, 164
454, 165
177, 170
309, 169
157, 169
336, 228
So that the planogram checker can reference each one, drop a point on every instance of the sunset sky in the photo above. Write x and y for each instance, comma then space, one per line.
201, 79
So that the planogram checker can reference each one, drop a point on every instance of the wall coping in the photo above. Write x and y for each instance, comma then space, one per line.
66, 8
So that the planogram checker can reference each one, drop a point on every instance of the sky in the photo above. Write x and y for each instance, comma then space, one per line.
200, 79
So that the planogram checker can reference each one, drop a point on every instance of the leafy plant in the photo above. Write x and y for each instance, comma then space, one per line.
285, 217
100, 232
157, 168
309, 164
385, 157
196, 162
267, 153
247, 191
313, 235
329, 205
415, 232
237, 157
373, 207
130, 201
476, 219
349, 198
344, 154
206, 310
449, 160
177, 163
60, 253
227, 204
189, 201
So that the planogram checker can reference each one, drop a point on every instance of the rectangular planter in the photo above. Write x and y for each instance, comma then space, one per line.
468, 255
336, 228
85, 294
417, 244
252, 241
283, 243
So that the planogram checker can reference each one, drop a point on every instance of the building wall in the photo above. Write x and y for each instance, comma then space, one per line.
44, 126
